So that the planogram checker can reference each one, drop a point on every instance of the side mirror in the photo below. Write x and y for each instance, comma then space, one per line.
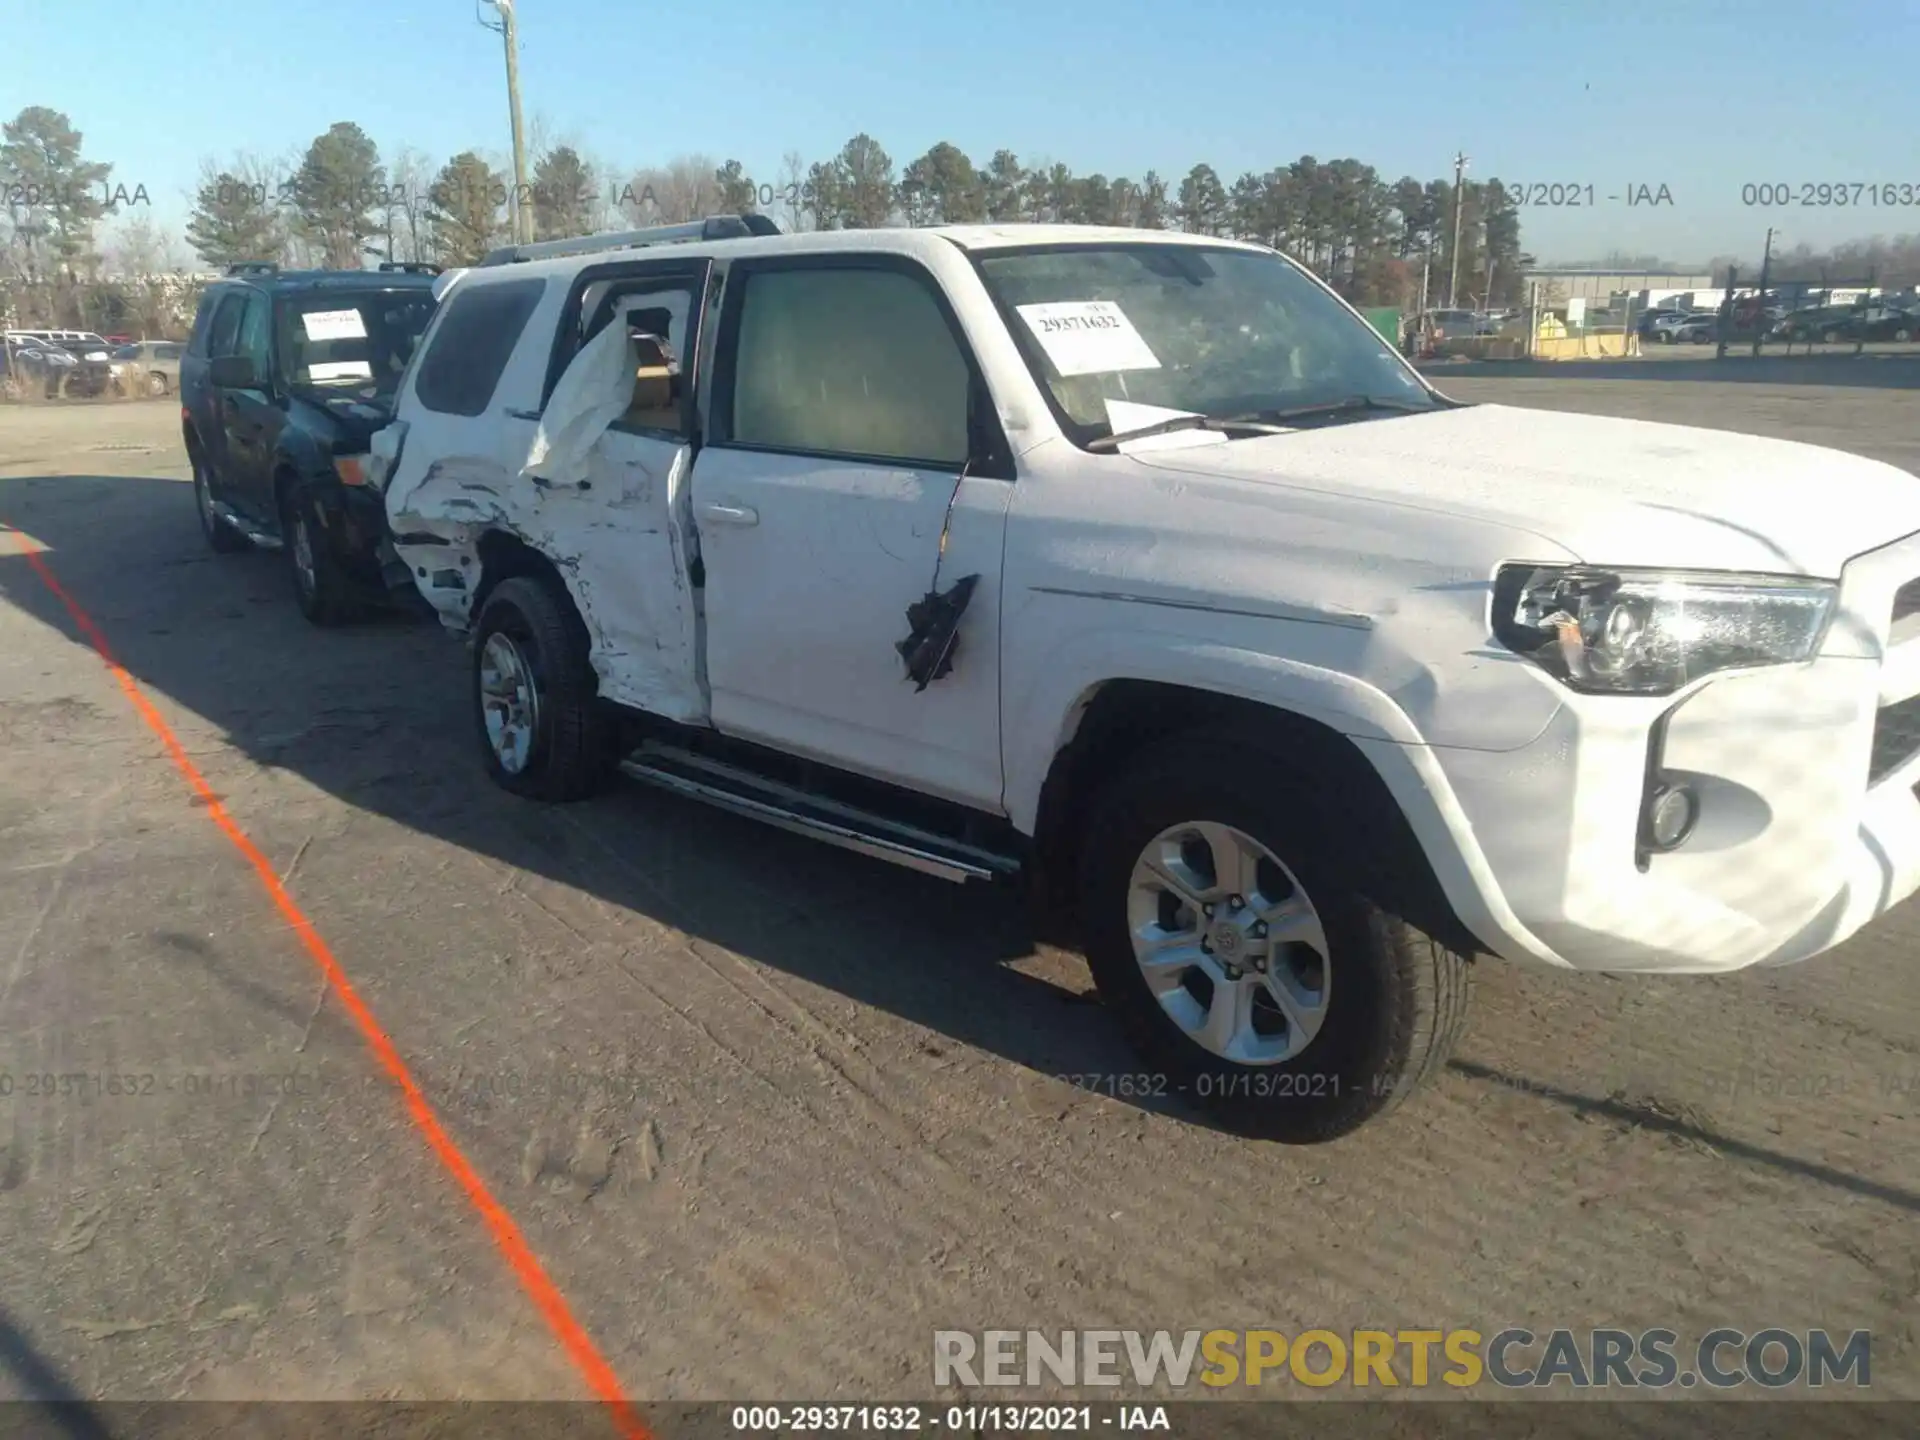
233, 372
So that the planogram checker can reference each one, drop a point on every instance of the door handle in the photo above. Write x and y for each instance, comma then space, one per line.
730, 514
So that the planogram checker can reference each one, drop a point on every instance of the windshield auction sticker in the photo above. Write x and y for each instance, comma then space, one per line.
1088, 337
340, 370
333, 325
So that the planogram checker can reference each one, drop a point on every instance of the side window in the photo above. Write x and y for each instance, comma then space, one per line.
656, 316
202, 321
225, 329
255, 338
472, 343
848, 361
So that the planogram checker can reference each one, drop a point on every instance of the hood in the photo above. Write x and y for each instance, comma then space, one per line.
1614, 492
352, 416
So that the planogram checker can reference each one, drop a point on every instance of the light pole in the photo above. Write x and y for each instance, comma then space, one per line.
1760, 300
509, 29
1453, 280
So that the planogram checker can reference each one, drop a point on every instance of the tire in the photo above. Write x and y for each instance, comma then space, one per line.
1829, 337
1903, 335
319, 589
529, 639
156, 383
1392, 1000
221, 537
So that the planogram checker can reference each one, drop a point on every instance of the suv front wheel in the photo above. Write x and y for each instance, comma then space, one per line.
536, 698
1239, 953
322, 592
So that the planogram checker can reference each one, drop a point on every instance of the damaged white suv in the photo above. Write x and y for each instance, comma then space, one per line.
1139, 563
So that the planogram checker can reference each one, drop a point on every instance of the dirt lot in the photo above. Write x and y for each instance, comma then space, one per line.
766, 1113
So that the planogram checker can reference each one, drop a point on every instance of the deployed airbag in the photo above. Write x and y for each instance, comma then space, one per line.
593, 393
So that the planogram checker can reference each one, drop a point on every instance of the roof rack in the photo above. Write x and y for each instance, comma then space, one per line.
253, 267
714, 227
410, 267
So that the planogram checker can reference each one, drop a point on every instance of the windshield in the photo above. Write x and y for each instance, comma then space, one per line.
1199, 329
356, 341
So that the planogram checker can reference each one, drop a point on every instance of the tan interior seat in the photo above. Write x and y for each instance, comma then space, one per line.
655, 403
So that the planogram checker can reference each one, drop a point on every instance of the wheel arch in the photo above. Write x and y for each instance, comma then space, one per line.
1392, 845
503, 555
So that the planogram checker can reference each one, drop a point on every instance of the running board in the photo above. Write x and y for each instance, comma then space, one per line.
730, 787
258, 538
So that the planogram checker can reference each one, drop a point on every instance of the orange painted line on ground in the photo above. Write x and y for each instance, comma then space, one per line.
506, 1235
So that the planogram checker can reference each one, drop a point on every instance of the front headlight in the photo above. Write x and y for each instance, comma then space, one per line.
1650, 632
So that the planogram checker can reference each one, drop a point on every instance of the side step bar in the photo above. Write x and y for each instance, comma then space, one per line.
744, 793
260, 539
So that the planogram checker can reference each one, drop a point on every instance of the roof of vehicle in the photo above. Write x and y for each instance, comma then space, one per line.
887, 240
289, 281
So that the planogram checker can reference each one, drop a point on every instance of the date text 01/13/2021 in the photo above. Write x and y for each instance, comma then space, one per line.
1147, 1085
959, 1419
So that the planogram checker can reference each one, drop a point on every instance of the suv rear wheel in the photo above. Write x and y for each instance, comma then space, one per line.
1240, 956
222, 537
536, 698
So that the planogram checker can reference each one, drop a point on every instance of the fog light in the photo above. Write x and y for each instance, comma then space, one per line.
1671, 812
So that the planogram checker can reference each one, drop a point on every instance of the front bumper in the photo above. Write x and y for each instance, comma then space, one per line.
356, 524
1809, 824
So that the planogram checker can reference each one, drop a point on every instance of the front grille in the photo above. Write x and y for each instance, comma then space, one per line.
1896, 738
1906, 600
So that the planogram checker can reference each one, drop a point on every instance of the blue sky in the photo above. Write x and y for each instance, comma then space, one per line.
1701, 96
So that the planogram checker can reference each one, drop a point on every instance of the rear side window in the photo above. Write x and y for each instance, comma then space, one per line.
472, 343
203, 322
225, 332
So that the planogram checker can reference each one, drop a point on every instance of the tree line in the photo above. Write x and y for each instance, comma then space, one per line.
339, 200
1371, 237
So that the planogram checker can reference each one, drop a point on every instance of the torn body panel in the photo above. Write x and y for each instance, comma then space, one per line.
608, 507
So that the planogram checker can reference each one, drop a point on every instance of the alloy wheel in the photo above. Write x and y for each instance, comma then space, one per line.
1229, 943
509, 701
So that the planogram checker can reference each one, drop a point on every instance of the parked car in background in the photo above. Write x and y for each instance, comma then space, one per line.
1701, 329
1879, 323
147, 367
286, 375
35, 368
1666, 322
1815, 322
80, 360
1453, 324
1294, 681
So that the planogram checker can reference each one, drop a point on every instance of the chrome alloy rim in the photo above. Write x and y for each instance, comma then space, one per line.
509, 702
1229, 943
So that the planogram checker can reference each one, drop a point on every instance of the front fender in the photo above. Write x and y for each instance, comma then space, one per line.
1042, 715
1045, 704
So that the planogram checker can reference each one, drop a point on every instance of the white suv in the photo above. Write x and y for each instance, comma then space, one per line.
1138, 562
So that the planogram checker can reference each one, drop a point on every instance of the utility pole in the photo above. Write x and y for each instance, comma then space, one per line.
1760, 300
509, 28
1453, 280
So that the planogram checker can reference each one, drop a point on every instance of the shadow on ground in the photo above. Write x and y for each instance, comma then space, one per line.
377, 715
